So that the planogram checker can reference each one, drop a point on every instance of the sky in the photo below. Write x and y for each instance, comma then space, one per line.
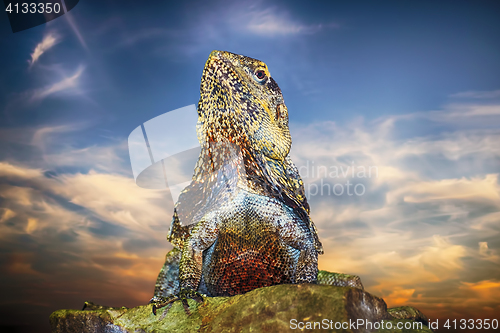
400, 99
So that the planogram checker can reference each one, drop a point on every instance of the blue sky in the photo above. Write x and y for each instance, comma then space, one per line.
412, 89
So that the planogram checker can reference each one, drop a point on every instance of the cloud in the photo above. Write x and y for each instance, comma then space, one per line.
488, 254
465, 111
229, 26
112, 158
479, 295
41, 135
55, 147
78, 224
427, 221
477, 94
478, 188
48, 41
6, 214
466, 115
272, 22
67, 84
9, 170
133, 38
76, 30
106, 197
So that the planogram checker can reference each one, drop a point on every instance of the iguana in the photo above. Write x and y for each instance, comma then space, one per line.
243, 222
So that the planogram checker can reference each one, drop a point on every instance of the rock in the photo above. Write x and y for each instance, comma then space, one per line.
408, 312
272, 309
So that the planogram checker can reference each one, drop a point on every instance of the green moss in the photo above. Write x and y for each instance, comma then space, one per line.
269, 309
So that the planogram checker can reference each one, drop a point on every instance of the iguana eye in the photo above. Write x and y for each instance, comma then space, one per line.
260, 75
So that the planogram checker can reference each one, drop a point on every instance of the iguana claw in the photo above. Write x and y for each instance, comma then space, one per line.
184, 294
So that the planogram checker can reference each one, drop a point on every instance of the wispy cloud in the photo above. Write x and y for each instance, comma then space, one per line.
464, 115
48, 41
477, 94
229, 25
40, 135
68, 83
135, 37
76, 30
56, 146
272, 22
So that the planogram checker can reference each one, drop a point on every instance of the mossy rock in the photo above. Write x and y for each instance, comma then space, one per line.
272, 309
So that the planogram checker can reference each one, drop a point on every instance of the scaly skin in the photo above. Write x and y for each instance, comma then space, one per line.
243, 222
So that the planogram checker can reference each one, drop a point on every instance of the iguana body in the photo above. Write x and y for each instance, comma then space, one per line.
243, 222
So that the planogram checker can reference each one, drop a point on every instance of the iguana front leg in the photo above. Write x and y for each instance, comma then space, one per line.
202, 236
295, 234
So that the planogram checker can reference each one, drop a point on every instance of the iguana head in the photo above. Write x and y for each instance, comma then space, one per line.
241, 103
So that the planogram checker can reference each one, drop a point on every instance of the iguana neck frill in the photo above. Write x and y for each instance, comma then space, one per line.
245, 141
